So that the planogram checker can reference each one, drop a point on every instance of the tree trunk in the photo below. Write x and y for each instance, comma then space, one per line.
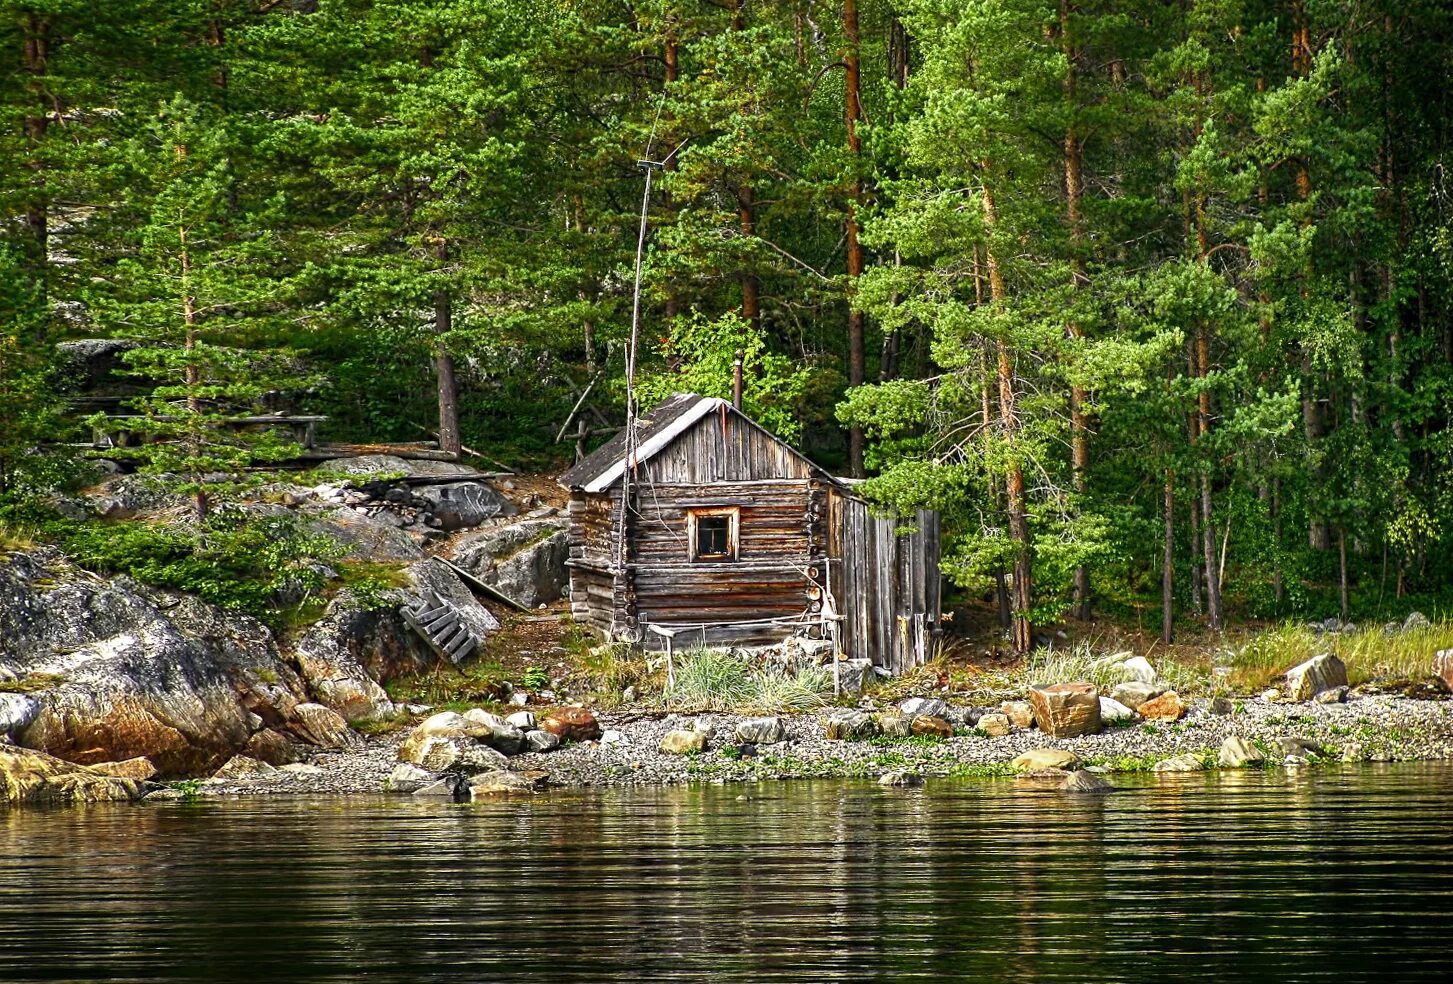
853, 112
1167, 574
1342, 572
36, 123
449, 439
1074, 192
1014, 483
201, 504
1208, 528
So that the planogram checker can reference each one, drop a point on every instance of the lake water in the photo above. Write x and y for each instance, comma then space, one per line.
1321, 875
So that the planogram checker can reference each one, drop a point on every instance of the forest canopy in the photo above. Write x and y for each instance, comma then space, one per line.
1152, 300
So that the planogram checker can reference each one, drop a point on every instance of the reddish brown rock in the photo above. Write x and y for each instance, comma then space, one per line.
1019, 712
572, 724
271, 747
935, 727
1066, 710
1166, 707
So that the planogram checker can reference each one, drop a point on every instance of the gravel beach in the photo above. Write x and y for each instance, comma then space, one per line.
1291, 735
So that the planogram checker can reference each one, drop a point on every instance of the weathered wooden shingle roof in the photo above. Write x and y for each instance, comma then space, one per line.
656, 430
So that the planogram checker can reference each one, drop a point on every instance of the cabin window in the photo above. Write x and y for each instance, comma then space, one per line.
712, 534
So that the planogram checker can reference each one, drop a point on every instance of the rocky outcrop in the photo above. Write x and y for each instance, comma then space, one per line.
525, 561
1324, 672
28, 776
1066, 710
460, 505
116, 670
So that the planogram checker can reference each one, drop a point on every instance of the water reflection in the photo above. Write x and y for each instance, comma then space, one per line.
1234, 876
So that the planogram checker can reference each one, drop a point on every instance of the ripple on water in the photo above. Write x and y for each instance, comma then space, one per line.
1329, 874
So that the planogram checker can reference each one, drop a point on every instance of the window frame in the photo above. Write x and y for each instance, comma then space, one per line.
733, 515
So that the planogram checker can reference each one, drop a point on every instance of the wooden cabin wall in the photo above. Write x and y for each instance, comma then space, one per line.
592, 543
723, 449
887, 585
777, 574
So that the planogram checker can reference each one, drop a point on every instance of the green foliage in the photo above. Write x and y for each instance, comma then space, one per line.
236, 561
712, 679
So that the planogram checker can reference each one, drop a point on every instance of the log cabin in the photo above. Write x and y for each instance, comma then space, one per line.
716, 533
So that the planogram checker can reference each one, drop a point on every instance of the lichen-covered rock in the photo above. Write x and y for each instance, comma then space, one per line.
900, 778
525, 561
894, 725
1047, 758
1181, 763
850, 725
995, 725
499, 783
683, 742
543, 741
123, 671
243, 767
460, 505
322, 726
1066, 710
139, 769
438, 753
407, 777
1081, 781
28, 776
572, 724
761, 731
1324, 672
1167, 707
1237, 753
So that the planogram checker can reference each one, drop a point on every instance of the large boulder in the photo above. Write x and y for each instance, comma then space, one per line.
524, 561
322, 726
460, 505
683, 742
850, 725
1237, 753
1324, 672
1047, 758
28, 776
1066, 710
1135, 692
332, 654
116, 670
437, 753
761, 731
914, 706
434, 578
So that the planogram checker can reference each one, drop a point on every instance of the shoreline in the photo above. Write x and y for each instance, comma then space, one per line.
1290, 736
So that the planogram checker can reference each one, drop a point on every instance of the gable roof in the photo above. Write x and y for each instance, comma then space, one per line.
655, 431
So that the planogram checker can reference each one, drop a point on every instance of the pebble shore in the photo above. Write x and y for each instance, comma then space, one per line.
1372, 728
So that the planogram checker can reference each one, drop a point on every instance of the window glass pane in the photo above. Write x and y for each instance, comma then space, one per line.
712, 535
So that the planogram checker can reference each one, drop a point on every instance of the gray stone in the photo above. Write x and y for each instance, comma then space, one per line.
1237, 753
242, 767
914, 706
1112, 712
450, 724
850, 725
460, 505
1181, 763
683, 742
1293, 745
1134, 693
387, 464
407, 778
1081, 781
505, 738
1324, 672
612, 738
1220, 706
367, 537
1019, 712
123, 671
524, 720
543, 741
525, 561
1416, 621
900, 778
854, 674
445, 787
16, 711
1139, 669
1336, 695
761, 731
